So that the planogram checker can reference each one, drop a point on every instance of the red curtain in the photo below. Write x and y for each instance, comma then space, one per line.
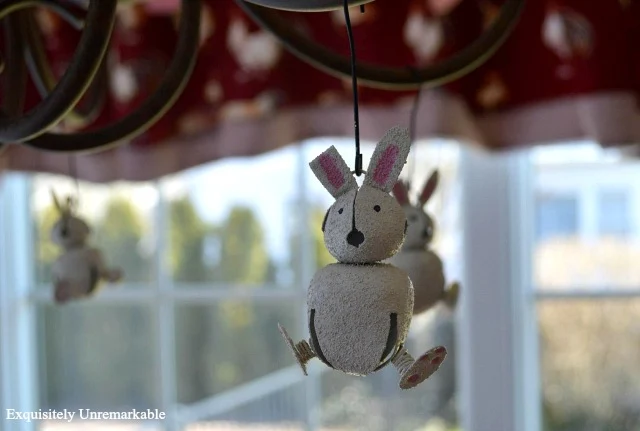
570, 70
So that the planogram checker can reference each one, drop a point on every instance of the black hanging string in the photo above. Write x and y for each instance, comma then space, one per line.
412, 132
354, 81
73, 172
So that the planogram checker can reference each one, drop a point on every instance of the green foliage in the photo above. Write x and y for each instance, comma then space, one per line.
119, 233
232, 342
46, 251
187, 233
244, 255
322, 255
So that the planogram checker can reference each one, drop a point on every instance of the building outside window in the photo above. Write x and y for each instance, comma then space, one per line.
613, 213
557, 216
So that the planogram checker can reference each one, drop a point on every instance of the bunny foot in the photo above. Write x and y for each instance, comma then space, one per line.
113, 275
302, 351
62, 292
451, 295
412, 373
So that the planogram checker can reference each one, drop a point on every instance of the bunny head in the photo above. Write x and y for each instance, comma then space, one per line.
364, 224
69, 231
420, 225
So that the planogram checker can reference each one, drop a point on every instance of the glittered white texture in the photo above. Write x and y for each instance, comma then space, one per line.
353, 306
359, 308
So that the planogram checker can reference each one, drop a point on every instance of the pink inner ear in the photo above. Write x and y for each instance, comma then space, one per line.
385, 164
331, 170
401, 193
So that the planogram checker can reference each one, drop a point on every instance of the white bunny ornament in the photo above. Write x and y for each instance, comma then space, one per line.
423, 265
78, 271
359, 309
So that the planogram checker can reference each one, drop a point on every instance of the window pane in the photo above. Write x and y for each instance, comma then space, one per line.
587, 212
376, 402
221, 346
613, 213
97, 357
229, 221
556, 216
591, 367
281, 410
120, 216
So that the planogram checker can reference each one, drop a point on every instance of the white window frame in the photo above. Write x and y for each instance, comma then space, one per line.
497, 342
498, 366
19, 298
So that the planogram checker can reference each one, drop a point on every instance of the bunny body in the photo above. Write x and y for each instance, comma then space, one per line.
423, 265
354, 332
360, 309
425, 270
78, 271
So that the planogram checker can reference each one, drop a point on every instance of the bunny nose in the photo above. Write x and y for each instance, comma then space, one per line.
355, 238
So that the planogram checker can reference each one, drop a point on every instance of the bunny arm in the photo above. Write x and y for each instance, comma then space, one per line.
451, 294
111, 275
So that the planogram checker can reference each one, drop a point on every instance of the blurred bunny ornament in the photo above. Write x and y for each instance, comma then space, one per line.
79, 270
360, 308
424, 267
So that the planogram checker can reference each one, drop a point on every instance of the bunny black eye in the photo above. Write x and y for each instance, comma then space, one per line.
340, 211
324, 221
413, 218
376, 208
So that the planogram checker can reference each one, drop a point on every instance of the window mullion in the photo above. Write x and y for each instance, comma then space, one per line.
487, 336
524, 311
164, 311
306, 250
18, 336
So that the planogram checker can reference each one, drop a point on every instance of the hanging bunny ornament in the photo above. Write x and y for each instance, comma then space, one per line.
359, 309
422, 264
77, 273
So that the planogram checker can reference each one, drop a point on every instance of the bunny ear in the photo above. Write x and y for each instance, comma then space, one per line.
429, 187
333, 172
72, 204
401, 193
388, 159
56, 202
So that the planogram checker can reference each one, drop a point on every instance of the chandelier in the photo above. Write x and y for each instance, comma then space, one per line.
86, 74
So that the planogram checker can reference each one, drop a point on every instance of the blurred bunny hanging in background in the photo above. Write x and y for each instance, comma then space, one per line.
360, 308
423, 265
79, 270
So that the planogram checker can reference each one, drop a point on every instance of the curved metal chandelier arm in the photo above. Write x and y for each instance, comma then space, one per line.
388, 77
75, 81
14, 75
308, 5
68, 15
151, 109
7, 7
45, 80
